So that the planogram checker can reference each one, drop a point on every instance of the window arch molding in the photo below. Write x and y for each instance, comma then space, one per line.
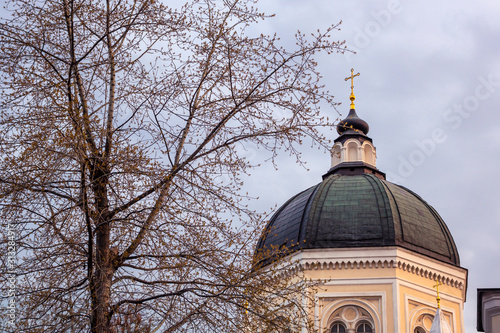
419, 329
326, 320
348, 141
364, 326
337, 327
419, 313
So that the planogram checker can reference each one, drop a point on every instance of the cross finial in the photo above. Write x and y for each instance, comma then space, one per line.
352, 97
438, 299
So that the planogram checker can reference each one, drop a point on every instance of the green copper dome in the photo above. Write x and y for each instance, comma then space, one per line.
363, 210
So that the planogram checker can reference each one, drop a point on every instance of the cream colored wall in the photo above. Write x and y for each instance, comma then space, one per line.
394, 284
352, 151
417, 302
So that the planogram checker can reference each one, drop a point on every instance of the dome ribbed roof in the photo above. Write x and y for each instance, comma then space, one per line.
346, 211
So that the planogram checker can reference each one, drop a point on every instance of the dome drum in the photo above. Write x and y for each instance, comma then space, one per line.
354, 168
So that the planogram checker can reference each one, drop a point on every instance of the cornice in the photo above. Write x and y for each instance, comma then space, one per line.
376, 259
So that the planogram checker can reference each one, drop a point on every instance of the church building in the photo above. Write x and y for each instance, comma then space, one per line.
381, 248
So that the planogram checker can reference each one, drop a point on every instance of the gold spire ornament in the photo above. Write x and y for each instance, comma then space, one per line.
438, 299
352, 97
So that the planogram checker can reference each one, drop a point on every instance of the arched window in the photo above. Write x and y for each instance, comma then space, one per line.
338, 327
364, 327
419, 330
351, 318
336, 155
352, 152
369, 155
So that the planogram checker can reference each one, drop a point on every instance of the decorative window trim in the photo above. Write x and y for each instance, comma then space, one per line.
373, 317
425, 307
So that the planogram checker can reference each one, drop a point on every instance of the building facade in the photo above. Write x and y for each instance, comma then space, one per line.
378, 248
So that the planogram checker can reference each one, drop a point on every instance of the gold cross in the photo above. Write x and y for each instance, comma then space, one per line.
352, 79
438, 299
352, 97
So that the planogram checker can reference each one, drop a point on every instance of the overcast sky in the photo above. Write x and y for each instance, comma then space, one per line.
430, 90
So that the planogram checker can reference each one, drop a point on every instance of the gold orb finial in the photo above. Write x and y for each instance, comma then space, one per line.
352, 97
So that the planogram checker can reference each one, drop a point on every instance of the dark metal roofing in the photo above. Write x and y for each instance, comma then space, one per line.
352, 123
347, 211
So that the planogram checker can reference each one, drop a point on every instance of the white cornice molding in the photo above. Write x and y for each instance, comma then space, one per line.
380, 258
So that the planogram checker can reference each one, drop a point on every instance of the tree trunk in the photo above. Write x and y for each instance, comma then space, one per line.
101, 293
103, 272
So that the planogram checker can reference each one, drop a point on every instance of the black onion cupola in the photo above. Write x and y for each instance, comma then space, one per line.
356, 207
352, 123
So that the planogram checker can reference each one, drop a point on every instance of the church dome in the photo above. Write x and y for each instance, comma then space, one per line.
355, 206
359, 210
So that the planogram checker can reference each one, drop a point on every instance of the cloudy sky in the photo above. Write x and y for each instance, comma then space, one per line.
430, 91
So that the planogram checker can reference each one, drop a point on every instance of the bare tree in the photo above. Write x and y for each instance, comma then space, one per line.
122, 125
